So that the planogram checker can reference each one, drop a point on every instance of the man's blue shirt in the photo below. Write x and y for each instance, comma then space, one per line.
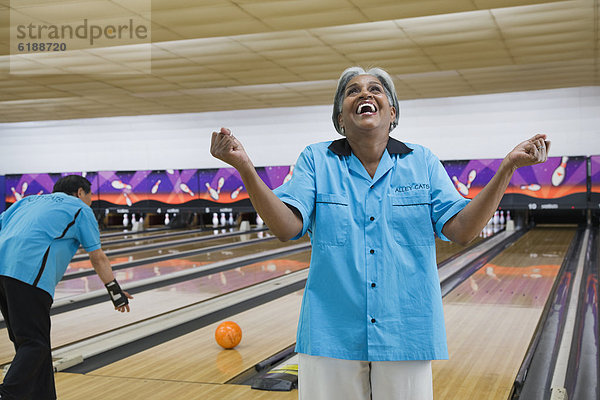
373, 290
39, 236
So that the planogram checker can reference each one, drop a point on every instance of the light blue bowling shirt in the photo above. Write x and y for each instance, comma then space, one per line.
373, 291
40, 234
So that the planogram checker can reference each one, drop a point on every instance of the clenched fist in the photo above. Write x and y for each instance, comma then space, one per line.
529, 152
228, 148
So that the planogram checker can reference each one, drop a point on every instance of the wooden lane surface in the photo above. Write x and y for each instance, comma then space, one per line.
137, 255
444, 250
491, 318
195, 358
72, 287
77, 387
143, 235
93, 320
151, 239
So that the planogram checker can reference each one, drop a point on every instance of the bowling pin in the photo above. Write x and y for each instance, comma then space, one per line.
496, 218
186, 189
215, 220
534, 187
24, 187
17, 195
236, 192
471, 178
220, 184
167, 220
462, 189
502, 220
259, 221
155, 187
223, 220
507, 215
125, 220
230, 220
40, 192
141, 223
127, 199
213, 193
559, 173
170, 171
134, 223
289, 175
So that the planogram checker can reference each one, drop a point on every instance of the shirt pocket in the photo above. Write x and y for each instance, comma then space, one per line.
411, 219
332, 217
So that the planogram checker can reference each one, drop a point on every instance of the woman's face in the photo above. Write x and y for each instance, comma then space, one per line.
365, 106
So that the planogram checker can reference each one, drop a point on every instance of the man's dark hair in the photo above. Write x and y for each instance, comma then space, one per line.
70, 185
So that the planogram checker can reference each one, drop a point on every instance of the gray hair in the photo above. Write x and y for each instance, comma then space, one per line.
347, 75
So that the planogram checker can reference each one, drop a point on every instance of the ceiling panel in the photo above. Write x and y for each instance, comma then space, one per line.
243, 54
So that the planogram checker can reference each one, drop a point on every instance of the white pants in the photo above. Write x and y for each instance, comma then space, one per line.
323, 378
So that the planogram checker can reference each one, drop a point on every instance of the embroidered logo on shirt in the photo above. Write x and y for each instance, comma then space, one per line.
412, 186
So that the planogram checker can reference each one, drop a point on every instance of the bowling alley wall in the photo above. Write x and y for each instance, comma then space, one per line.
560, 183
162, 162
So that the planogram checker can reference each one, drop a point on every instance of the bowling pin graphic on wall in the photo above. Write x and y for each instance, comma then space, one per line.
558, 176
119, 185
155, 187
461, 187
236, 193
220, 184
185, 189
17, 195
534, 187
289, 175
127, 199
471, 178
212, 192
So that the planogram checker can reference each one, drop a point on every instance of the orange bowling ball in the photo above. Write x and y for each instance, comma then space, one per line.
228, 334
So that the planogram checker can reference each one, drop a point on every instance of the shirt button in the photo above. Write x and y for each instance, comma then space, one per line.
373, 284
372, 218
372, 251
373, 320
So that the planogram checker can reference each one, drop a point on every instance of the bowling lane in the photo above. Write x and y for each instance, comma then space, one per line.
444, 250
491, 317
173, 249
196, 357
157, 239
116, 235
160, 268
78, 386
142, 236
93, 320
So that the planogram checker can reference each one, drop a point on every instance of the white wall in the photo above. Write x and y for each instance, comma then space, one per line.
483, 126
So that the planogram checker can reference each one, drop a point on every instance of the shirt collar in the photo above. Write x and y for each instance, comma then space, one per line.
341, 147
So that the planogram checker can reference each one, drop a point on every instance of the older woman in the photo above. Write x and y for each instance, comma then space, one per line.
371, 318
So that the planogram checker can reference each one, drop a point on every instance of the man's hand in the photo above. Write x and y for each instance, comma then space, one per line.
124, 308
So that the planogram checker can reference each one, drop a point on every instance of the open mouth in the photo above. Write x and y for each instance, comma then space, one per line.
366, 108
